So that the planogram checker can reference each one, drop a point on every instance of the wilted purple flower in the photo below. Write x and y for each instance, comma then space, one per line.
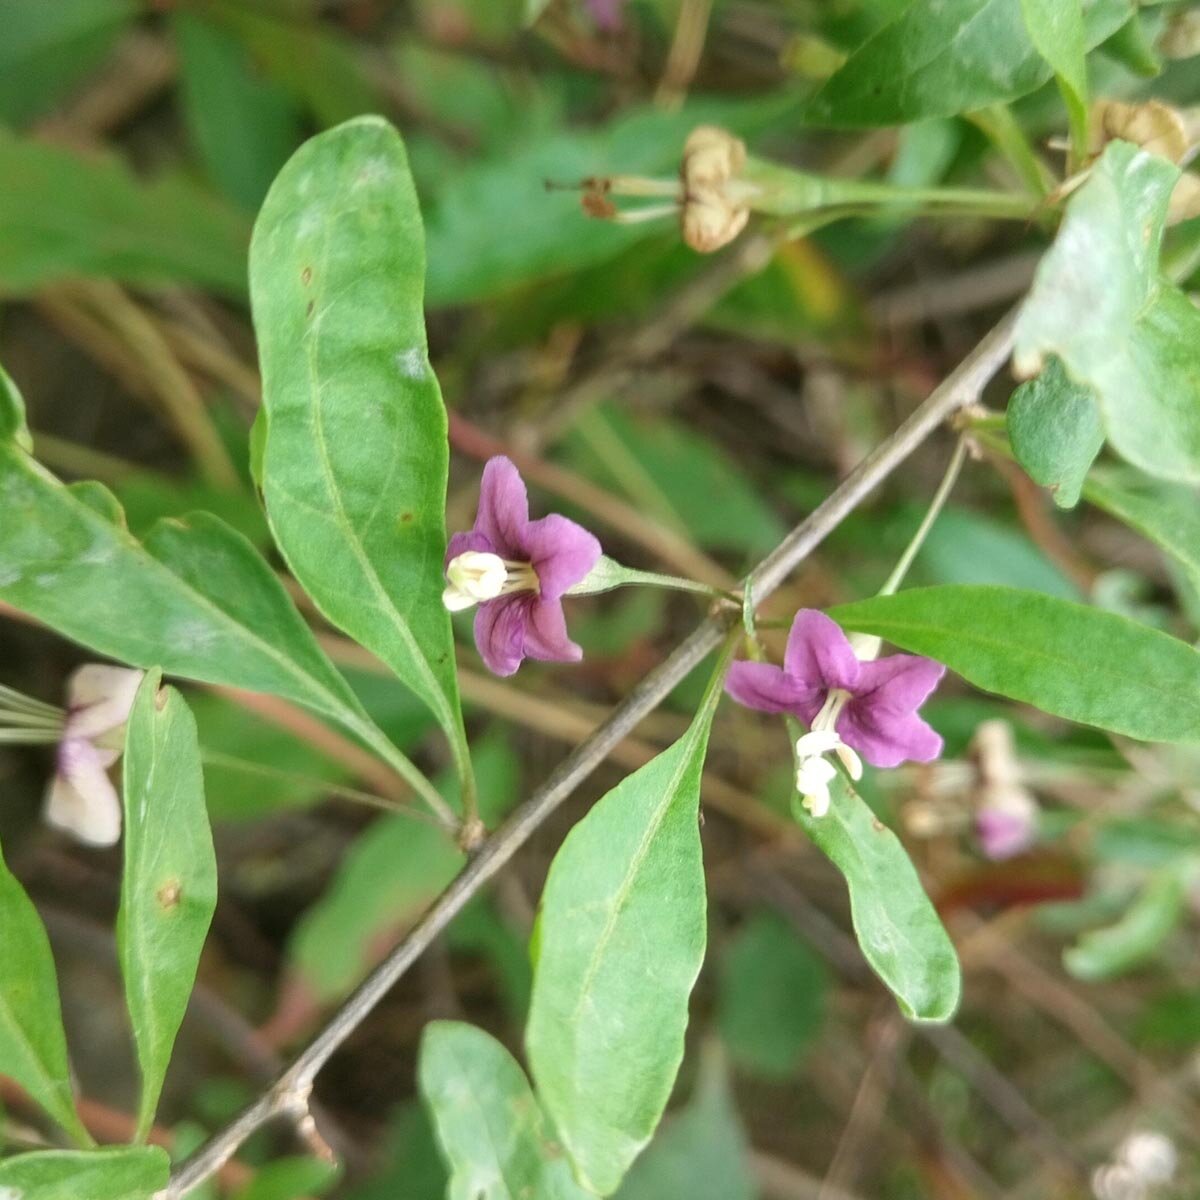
607, 15
1007, 829
517, 571
1007, 814
82, 799
869, 706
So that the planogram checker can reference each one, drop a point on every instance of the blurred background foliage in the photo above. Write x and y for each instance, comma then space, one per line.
690, 409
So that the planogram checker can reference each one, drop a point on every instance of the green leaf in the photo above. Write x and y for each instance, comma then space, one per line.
322, 70
772, 998
898, 929
354, 471
1167, 513
33, 1047
1056, 29
937, 59
1146, 924
1100, 303
63, 215
207, 606
390, 874
169, 883
701, 1153
387, 877
243, 126
492, 1133
12, 413
1056, 433
1076, 662
621, 934
48, 48
116, 1173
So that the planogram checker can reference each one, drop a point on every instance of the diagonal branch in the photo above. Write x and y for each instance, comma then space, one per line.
288, 1096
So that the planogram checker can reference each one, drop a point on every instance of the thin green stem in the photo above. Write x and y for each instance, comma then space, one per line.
29, 737
17, 699
230, 762
30, 720
896, 578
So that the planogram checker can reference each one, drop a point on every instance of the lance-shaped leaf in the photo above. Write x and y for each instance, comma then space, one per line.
898, 929
937, 59
33, 1048
119, 1173
196, 598
621, 938
1056, 432
1089, 666
493, 1135
1101, 304
354, 466
169, 884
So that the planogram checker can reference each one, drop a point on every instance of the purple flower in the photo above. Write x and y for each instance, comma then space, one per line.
517, 571
1006, 830
607, 15
82, 799
869, 706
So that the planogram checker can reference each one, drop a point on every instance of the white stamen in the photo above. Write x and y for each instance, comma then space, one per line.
814, 773
476, 576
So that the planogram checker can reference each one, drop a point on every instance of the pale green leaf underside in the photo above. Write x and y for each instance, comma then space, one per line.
119, 1173
898, 929
1076, 662
169, 883
1100, 304
33, 1048
1055, 430
621, 941
355, 460
489, 1126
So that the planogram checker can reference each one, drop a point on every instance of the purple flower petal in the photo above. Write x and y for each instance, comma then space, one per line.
82, 799
500, 633
898, 684
503, 507
771, 689
461, 543
886, 739
561, 551
546, 634
819, 654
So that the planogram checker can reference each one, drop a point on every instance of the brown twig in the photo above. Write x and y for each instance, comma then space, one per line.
293, 1087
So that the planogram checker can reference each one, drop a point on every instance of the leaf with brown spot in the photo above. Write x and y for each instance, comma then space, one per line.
169, 884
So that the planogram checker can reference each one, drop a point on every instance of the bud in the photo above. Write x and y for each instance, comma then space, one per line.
715, 210
1156, 127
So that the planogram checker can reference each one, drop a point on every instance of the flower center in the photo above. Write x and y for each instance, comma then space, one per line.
814, 773
477, 576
